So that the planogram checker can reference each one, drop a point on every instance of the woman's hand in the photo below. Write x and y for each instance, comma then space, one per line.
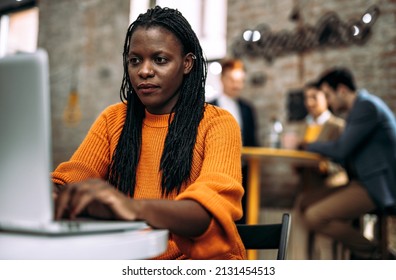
99, 199
56, 189
95, 197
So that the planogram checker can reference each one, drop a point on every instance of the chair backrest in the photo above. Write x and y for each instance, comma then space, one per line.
267, 236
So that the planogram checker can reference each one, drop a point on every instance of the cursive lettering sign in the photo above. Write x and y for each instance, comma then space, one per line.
330, 31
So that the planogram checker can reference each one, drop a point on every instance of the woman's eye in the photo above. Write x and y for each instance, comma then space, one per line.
160, 60
133, 60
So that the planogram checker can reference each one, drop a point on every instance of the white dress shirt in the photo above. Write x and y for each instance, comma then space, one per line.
231, 105
324, 117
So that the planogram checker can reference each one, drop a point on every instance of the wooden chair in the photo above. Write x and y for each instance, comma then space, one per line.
267, 236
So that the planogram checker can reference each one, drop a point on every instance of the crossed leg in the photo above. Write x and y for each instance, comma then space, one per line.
330, 212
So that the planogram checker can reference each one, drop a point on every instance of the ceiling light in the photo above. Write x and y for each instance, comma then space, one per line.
215, 68
367, 18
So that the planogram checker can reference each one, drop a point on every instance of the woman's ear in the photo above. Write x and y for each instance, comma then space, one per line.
189, 61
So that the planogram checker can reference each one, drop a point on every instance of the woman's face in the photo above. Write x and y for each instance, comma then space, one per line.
315, 101
156, 67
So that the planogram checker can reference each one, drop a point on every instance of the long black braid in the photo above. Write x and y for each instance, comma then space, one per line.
177, 156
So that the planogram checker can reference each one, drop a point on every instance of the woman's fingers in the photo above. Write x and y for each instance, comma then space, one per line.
69, 198
80, 201
87, 197
97, 198
82, 194
62, 203
93, 195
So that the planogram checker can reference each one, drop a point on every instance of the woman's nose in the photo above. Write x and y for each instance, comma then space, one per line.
146, 70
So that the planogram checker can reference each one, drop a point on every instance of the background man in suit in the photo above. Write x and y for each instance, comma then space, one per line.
367, 149
233, 80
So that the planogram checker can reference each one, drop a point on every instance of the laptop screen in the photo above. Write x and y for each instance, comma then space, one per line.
25, 147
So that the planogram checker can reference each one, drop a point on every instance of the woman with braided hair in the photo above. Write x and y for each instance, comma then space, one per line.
162, 155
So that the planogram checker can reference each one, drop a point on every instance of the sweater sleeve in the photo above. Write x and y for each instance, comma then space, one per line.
219, 190
92, 158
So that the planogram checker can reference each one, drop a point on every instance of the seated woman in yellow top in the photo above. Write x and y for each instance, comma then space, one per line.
162, 155
319, 125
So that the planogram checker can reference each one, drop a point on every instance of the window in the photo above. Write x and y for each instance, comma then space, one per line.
209, 23
19, 31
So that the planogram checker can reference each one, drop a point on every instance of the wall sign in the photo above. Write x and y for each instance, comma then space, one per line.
329, 31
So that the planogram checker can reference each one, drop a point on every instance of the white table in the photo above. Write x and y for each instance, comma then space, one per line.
134, 244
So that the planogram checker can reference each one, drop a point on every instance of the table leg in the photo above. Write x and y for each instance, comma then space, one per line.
253, 198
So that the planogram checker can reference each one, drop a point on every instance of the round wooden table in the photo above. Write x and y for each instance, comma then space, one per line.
255, 156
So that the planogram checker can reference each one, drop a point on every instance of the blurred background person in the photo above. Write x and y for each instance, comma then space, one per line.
367, 149
233, 81
319, 125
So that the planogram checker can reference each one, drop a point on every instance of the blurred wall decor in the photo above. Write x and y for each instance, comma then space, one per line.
72, 113
329, 31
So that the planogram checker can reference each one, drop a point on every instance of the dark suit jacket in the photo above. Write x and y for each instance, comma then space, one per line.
367, 148
248, 122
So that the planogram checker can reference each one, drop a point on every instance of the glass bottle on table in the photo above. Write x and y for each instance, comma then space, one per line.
275, 135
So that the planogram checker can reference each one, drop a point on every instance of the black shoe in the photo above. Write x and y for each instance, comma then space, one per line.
355, 256
375, 255
391, 254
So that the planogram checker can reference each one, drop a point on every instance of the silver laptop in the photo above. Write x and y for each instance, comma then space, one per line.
25, 152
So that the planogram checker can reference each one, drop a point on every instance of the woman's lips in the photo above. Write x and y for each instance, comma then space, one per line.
147, 88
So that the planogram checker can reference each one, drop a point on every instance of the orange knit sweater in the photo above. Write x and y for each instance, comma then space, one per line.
215, 175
